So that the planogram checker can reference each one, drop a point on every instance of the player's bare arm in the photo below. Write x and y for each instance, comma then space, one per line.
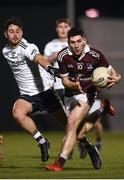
44, 62
41, 60
53, 57
71, 85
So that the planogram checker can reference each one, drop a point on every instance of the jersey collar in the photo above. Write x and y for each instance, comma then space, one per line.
86, 49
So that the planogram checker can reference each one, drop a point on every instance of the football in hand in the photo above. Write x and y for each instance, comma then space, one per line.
100, 77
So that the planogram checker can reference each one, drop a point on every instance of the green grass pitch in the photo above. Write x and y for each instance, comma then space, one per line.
22, 159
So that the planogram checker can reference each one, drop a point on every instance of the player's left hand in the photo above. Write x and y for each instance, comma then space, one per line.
112, 80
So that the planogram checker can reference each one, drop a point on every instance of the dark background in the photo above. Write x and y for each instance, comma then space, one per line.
39, 18
108, 8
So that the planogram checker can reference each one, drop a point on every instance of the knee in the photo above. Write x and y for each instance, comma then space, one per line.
18, 115
71, 124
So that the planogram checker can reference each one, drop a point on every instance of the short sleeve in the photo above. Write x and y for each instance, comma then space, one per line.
103, 61
62, 66
31, 51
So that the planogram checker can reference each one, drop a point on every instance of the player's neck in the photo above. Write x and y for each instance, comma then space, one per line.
62, 39
13, 46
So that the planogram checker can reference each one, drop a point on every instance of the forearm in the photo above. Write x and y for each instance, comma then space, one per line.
51, 59
42, 60
69, 84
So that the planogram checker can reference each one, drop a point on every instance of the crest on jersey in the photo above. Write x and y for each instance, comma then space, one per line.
79, 66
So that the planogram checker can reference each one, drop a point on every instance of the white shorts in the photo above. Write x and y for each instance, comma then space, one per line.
71, 101
96, 105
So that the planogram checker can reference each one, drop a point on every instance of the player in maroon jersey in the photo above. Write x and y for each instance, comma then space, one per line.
76, 64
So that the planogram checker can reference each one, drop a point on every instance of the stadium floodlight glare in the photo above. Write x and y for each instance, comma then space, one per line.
92, 13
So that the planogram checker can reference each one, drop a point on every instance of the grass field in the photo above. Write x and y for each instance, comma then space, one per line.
22, 158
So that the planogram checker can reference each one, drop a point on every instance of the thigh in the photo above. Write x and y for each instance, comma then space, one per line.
22, 106
79, 112
71, 102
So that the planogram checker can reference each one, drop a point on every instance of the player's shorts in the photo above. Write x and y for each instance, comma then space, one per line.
70, 102
96, 105
61, 93
44, 101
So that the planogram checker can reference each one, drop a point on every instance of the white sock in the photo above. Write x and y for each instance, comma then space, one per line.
63, 156
39, 137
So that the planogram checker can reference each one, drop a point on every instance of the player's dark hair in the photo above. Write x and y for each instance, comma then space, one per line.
12, 20
61, 20
74, 31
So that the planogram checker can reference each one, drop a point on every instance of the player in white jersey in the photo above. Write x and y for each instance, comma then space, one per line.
54, 46
30, 71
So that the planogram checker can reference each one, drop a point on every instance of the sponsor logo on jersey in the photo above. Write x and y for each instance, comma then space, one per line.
70, 65
16, 63
89, 66
15, 59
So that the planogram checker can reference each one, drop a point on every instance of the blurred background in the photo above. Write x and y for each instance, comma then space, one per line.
103, 24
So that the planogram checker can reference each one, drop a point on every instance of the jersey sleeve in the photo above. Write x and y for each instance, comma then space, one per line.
62, 65
31, 51
103, 61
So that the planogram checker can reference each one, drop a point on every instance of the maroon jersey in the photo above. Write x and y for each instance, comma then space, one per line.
80, 67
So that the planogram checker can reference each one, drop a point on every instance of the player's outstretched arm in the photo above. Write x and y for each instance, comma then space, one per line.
44, 62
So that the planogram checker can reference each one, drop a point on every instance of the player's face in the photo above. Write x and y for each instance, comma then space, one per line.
14, 34
77, 44
62, 30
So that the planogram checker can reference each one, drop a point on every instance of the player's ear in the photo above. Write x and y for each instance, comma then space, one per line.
5, 34
21, 33
84, 39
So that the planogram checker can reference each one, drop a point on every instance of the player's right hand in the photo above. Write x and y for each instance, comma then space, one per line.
78, 86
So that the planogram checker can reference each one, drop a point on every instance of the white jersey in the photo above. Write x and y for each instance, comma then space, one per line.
55, 46
31, 78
